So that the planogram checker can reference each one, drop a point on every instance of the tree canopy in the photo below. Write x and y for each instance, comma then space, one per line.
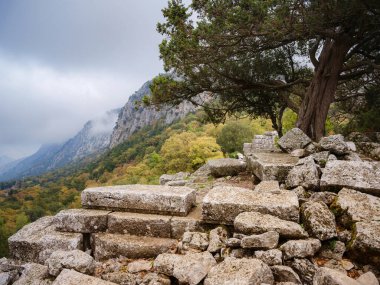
261, 57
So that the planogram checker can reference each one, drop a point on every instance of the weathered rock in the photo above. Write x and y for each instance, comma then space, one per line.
74, 259
139, 224
344, 236
325, 197
304, 268
71, 277
318, 220
8, 278
271, 166
217, 239
264, 142
81, 220
352, 156
321, 157
300, 248
226, 167
36, 241
336, 265
359, 175
189, 269
285, 274
180, 176
233, 242
334, 144
34, 274
268, 240
305, 173
242, 271
177, 183
139, 265
294, 139
257, 223
369, 149
195, 241
191, 223
301, 193
311, 148
347, 265
365, 244
154, 199
368, 278
269, 185
155, 279
107, 246
270, 257
328, 276
242, 253
353, 206
223, 203
332, 250
358, 137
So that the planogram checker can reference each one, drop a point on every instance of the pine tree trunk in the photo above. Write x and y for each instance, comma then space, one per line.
320, 94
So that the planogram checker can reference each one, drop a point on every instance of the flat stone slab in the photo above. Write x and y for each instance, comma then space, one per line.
223, 203
106, 245
271, 165
268, 185
150, 199
81, 220
36, 241
353, 206
72, 277
226, 167
363, 176
139, 224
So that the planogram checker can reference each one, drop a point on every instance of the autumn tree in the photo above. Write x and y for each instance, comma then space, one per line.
261, 57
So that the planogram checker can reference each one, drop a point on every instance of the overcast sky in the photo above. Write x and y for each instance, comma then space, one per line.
63, 62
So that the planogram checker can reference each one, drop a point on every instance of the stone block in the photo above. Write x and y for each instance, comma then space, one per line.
81, 221
72, 277
226, 167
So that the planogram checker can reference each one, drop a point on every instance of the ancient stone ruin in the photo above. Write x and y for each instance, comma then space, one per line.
313, 217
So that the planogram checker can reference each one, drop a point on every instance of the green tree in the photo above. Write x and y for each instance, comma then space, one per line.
233, 135
263, 56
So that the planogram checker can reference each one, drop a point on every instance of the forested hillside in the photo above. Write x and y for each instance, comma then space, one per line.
182, 146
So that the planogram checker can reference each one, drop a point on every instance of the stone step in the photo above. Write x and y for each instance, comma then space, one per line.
271, 165
107, 245
223, 203
36, 241
149, 199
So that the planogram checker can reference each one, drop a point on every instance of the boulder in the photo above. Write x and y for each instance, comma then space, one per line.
106, 246
270, 257
81, 220
301, 193
217, 239
352, 156
257, 223
74, 259
283, 273
293, 139
368, 278
195, 241
299, 153
305, 173
36, 241
189, 269
180, 176
242, 271
360, 175
121, 277
148, 199
268, 240
9, 277
233, 242
326, 197
226, 167
155, 279
223, 203
335, 144
365, 244
139, 265
318, 220
271, 166
72, 277
353, 206
300, 248
304, 268
328, 276
321, 157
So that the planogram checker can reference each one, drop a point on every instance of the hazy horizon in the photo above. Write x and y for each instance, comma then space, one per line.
63, 63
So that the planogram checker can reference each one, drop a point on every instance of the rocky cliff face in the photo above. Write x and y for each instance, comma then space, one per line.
132, 118
94, 138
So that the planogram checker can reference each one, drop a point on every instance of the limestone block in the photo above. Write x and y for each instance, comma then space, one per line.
293, 139
226, 167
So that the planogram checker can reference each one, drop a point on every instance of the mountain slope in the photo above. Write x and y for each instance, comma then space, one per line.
133, 118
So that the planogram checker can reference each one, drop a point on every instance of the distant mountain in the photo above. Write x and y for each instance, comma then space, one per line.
4, 160
94, 138
132, 117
